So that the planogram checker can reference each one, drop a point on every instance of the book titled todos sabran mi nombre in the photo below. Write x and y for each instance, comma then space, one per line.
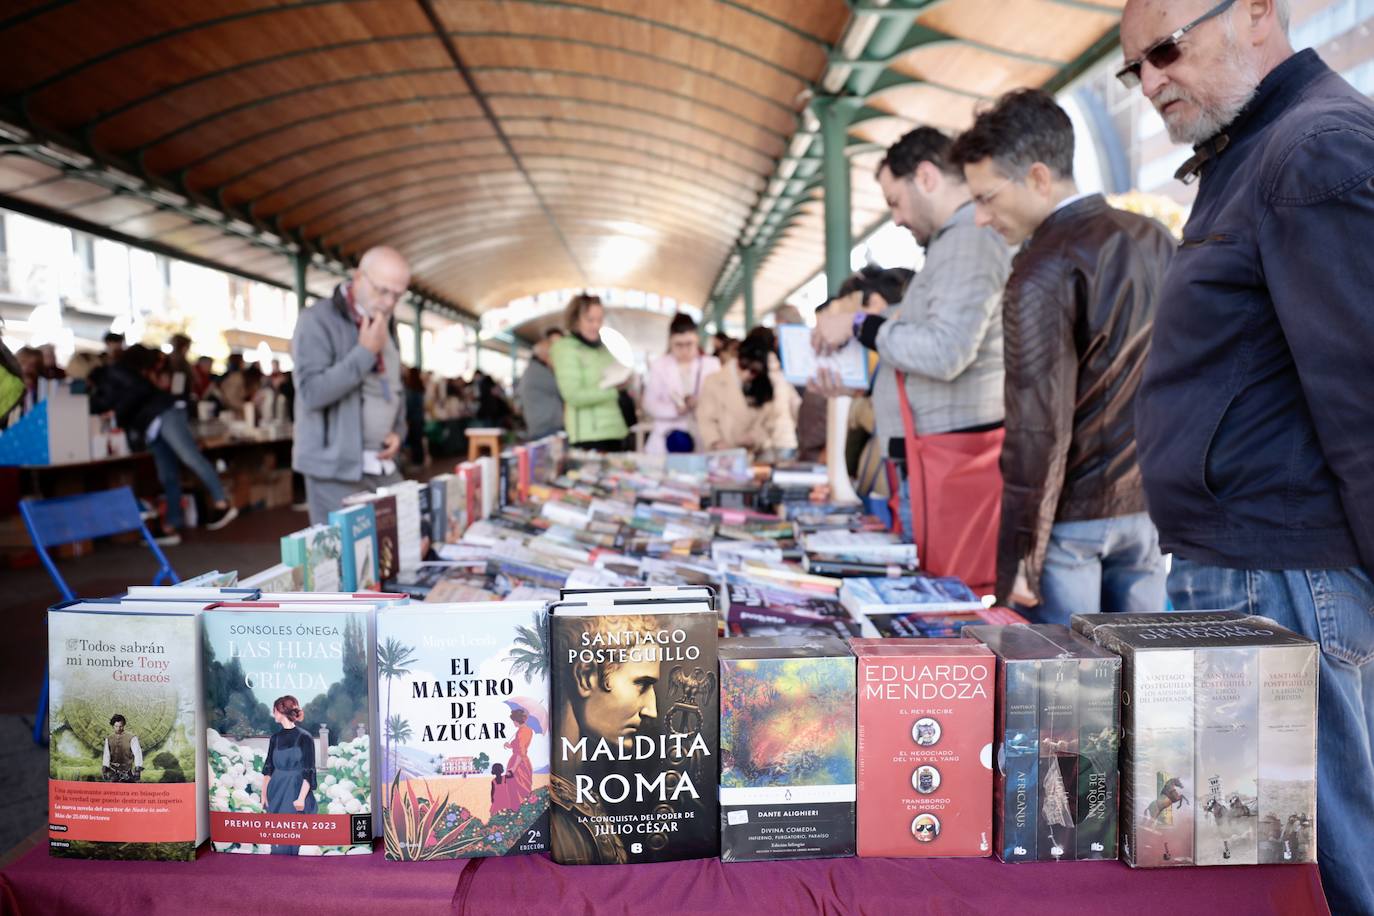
126, 766
925, 713
288, 695
636, 726
464, 694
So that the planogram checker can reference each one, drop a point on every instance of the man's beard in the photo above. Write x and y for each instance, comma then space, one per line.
1242, 79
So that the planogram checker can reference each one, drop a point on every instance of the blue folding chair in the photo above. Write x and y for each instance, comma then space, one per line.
84, 517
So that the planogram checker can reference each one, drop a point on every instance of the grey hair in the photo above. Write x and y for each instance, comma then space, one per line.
1283, 9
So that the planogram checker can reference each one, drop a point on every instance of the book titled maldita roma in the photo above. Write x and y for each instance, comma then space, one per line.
464, 695
635, 728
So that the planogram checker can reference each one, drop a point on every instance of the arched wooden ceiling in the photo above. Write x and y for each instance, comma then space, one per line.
506, 146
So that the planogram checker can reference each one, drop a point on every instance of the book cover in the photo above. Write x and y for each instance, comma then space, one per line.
1287, 754
1058, 716
925, 747
126, 767
455, 517
1099, 740
787, 743
278, 578
636, 725
425, 516
384, 517
765, 597
1226, 700
1157, 764
1086, 625
317, 550
358, 548
746, 621
410, 546
288, 695
1017, 780
464, 693
908, 595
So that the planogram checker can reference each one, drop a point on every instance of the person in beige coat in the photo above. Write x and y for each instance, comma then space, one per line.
748, 404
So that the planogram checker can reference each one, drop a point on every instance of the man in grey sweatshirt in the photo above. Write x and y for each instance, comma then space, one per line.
537, 391
350, 408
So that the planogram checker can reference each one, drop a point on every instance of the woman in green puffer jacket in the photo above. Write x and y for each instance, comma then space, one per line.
591, 413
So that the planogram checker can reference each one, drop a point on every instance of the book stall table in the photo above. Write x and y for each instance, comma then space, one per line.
221, 883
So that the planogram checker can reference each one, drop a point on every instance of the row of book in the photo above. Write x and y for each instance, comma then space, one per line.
613, 726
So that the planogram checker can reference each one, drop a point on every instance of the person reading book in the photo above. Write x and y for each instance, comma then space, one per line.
288, 773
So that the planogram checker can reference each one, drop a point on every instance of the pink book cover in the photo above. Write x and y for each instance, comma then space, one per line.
925, 747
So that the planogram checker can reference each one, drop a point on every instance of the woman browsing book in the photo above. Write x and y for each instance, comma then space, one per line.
673, 389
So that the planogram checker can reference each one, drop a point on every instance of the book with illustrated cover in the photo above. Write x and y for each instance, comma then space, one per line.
745, 621
1099, 741
635, 734
787, 742
279, 578
317, 550
384, 516
464, 696
1226, 808
925, 747
126, 766
941, 625
288, 696
1287, 754
766, 597
409, 542
1058, 715
908, 595
358, 550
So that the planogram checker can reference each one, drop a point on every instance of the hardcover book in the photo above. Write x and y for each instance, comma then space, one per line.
384, 515
1194, 723
925, 747
317, 550
126, 767
635, 735
787, 743
908, 595
358, 550
409, 538
279, 578
1287, 754
288, 695
464, 694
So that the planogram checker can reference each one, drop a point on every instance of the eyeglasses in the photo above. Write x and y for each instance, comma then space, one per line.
384, 292
1166, 52
983, 200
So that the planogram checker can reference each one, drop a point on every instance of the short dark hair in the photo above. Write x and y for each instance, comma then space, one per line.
112, 337
550, 333
1024, 127
924, 144
890, 283
682, 323
118, 718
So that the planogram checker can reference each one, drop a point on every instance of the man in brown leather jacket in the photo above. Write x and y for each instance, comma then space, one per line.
1077, 314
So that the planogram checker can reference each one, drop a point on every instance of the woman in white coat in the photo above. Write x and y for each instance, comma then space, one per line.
674, 386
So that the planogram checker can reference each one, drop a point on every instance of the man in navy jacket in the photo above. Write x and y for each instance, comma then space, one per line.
1255, 420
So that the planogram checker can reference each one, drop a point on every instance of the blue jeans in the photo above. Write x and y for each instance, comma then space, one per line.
1101, 565
174, 446
1334, 607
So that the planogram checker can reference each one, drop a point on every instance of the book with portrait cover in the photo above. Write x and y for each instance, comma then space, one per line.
787, 741
126, 766
464, 697
635, 731
288, 697
358, 550
925, 747
384, 515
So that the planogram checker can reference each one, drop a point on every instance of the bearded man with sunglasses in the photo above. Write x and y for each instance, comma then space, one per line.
1255, 419
350, 415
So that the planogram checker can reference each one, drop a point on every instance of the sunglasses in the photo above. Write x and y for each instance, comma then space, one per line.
1166, 52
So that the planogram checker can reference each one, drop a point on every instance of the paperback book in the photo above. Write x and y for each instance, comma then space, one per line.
787, 743
908, 595
465, 710
358, 551
384, 516
126, 766
635, 734
925, 714
318, 551
288, 695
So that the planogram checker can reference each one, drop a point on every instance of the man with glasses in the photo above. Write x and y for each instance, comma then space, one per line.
1255, 419
350, 408
1076, 319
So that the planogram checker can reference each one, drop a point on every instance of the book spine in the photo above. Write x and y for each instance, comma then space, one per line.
1018, 776
1157, 765
1226, 703
1287, 754
1058, 757
1099, 689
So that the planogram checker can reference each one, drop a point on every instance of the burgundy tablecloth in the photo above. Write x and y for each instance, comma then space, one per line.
223, 884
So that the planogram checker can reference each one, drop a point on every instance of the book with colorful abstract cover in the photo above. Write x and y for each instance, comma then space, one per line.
126, 766
787, 741
289, 725
464, 696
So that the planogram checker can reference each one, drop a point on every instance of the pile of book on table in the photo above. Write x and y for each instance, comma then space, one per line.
601, 661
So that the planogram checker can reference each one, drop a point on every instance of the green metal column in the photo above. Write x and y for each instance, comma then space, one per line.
419, 334
301, 260
749, 260
835, 113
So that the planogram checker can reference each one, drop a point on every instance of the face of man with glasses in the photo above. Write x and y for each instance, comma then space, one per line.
380, 281
1195, 60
